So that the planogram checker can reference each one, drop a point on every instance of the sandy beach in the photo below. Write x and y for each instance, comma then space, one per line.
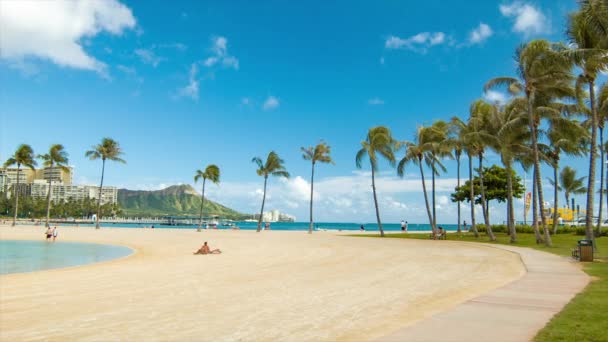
265, 286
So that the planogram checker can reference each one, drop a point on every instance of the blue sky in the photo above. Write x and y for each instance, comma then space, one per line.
184, 85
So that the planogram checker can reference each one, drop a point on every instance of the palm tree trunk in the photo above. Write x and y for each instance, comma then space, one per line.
16, 196
589, 235
200, 217
433, 192
312, 182
103, 169
472, 196
599, 215
510, 223
263, 201
48, 200
48, 203
555, 194
537, 235
458, 186
376, 203
536, 182
486, 215
426, 198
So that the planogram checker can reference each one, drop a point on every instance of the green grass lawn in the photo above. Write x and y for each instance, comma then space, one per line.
585, 318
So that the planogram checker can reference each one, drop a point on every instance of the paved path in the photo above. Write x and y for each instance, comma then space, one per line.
515, 312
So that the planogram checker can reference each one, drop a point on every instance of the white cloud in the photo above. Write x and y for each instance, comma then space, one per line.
127, 70
480, 34
529, 20
219, 48
149, 57
245, 101
419, 42
495, 96
55, 30
381, 60
271, 103
375, 101
191, 90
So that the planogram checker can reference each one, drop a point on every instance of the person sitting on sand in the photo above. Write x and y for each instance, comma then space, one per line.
206, 250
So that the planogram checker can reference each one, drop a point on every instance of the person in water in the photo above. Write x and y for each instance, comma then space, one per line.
206, 250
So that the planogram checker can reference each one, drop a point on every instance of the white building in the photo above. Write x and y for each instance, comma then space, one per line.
63, 192
277, 216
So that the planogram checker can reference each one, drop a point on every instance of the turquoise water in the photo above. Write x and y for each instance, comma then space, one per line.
26, 256
289, 226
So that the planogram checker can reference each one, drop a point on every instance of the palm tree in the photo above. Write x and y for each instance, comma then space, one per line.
439, 146
544, 71
569, 184
416, 152
590, 54
457, 143
379, 142
509, 136
212, 173
109, 149
319, 153
478, 138
57, 157
24, 155
567, 136
273, 166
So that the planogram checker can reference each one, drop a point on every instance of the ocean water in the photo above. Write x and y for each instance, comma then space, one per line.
26, 256
301, 226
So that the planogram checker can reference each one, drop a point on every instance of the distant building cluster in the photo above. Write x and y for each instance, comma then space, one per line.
35, 183
276, 216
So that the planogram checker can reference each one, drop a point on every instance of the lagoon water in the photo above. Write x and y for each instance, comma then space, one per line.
301, 226
26, 256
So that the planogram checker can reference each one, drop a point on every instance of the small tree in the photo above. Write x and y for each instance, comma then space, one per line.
212, 173
319, 153
57, 157
273, 166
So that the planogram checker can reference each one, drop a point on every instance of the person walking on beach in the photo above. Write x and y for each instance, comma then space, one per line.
49, 233
362, 228
464, 224
402, 225
55, 233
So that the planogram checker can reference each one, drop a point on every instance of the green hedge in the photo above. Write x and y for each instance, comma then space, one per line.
502, 228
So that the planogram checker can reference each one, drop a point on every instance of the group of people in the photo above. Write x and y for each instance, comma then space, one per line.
51, 233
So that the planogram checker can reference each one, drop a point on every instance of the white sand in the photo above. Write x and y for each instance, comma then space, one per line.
265, 286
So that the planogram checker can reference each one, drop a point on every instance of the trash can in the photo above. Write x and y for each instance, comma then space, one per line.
585, 250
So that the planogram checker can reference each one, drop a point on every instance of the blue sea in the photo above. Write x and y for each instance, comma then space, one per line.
292, 226
26, 256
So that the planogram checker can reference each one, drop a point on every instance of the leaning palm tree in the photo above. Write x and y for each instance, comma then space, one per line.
109, 149
24, 155
272, 167
544, 71
590, 54
319, 153
478, 137
212, 173
378, 143
417, 154
571, 185
56, 158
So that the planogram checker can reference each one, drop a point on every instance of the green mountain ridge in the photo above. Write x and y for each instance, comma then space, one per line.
176, 200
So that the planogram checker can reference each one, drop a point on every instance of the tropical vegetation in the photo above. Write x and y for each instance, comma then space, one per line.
212, 173
273, 166
316, 154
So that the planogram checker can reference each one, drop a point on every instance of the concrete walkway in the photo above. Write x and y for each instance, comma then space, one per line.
515, 312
